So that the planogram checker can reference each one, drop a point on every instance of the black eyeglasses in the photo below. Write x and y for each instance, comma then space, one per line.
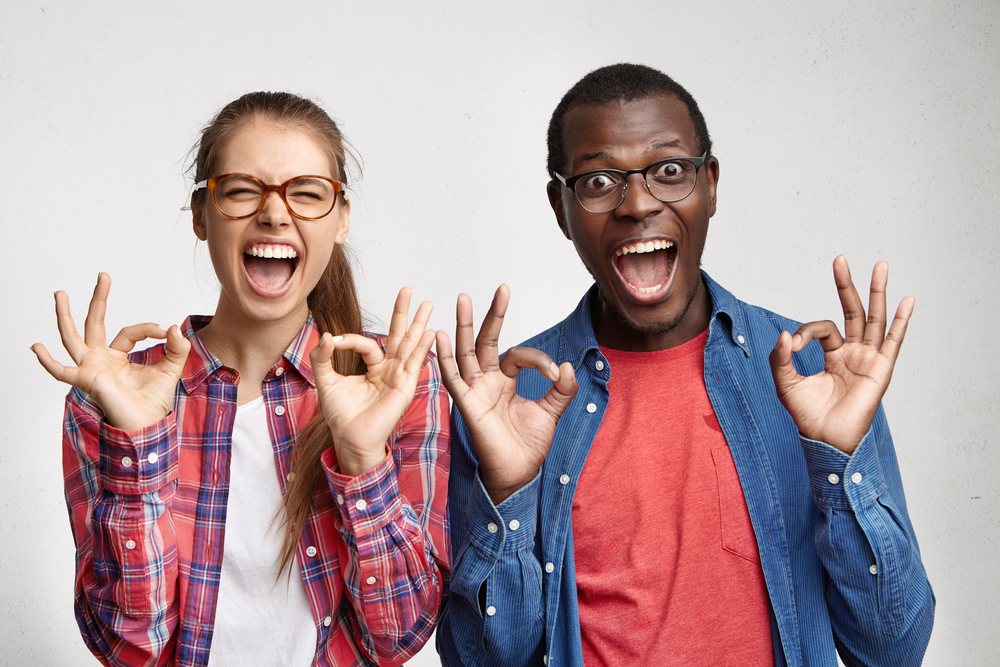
241, 195
604, 190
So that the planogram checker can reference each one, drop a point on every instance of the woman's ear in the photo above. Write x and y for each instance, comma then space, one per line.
198, 221
343, 220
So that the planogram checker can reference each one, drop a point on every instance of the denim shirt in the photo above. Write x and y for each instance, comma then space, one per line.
839, 555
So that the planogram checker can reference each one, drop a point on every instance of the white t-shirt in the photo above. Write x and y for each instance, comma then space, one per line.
261, 619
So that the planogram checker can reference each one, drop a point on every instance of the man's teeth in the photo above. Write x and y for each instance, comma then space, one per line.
640, 247
646, 290
272, 251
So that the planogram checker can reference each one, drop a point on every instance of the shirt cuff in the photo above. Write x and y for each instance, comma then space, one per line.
142, 461
369, 501
507, 527
841, 481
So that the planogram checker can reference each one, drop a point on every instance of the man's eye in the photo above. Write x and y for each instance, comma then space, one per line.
668, 171
599, 182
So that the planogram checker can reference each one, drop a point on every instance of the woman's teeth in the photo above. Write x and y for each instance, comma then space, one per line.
272, 251
641, 247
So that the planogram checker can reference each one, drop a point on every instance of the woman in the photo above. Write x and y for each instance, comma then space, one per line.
267, 487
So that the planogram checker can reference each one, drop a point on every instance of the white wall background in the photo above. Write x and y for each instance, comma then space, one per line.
858, 128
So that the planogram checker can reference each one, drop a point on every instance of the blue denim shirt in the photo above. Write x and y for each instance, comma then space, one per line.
840, 559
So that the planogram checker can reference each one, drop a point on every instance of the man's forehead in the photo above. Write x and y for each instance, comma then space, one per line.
627, 127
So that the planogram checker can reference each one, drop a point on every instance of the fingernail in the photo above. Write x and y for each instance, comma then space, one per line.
336, 339
322, 339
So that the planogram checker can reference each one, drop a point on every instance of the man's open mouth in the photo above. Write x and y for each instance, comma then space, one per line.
270, 266
646, 266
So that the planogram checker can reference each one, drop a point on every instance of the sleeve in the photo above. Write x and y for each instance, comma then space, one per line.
395, 525
119, 488
495, 612
881, 604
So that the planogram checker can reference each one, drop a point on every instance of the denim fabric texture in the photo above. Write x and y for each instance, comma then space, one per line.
839, 555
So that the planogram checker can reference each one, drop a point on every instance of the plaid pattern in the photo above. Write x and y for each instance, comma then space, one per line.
148, 513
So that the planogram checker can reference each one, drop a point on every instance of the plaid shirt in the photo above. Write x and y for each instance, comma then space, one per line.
148, 512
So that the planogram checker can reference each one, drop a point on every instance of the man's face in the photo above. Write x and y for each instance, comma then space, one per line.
654, 299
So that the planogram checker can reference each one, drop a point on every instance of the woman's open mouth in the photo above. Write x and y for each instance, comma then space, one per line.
269, 267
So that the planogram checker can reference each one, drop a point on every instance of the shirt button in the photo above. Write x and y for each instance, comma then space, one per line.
741, 339
549, 567
311, 551
599, 365
361, 504
856, 478
564, 479
545, 659
290, 476
514, 524
153, 458
873, 569
591, 408
327, 621
492, 527
370, 580
340, 499
127, 462
279, 371
130, 544
491, 610
834, 478
280, 410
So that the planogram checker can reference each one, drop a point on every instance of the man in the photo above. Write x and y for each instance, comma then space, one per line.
699, 501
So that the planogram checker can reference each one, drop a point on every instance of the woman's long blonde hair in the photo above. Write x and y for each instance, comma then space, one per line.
334, 300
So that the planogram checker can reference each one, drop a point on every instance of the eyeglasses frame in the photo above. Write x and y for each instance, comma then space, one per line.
571, 182
210, 184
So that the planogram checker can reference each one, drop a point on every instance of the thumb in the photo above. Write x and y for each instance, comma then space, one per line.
561, 394
177, 347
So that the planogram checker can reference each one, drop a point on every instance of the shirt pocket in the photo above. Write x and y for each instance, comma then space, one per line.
737, 531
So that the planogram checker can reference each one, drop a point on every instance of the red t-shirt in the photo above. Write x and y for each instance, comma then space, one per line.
667, 567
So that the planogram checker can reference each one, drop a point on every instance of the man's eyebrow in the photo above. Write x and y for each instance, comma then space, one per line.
663, 144
604, 155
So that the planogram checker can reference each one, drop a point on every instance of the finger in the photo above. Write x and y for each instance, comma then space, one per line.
93, 327
129, 336
177, 348
825, 332
416, 358
517, 358
561, 393
363, 345
413, 339
854, 310
465, 333
875, 329
449, 369
71, 340
397, 324
54, 368
488, 340
897, 331
782, 369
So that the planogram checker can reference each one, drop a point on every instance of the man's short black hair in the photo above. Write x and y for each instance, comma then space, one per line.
624, 82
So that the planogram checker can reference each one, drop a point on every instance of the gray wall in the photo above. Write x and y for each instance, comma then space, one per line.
855, 128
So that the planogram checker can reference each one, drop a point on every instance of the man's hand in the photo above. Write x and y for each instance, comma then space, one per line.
837, 405
511, 435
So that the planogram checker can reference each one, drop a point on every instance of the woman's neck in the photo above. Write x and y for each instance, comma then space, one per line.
250, 347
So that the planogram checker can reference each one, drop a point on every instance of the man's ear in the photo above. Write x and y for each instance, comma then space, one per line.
198, 221
343, 220
712, 174
555, 201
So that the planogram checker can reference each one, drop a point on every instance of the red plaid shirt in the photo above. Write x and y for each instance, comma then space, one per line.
148, 512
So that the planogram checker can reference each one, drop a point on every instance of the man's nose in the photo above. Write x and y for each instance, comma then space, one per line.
638, 203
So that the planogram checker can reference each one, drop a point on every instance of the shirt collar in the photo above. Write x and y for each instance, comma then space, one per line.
579, 328
202, 364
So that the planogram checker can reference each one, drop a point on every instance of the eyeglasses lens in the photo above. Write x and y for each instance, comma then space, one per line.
667, 181
239, 196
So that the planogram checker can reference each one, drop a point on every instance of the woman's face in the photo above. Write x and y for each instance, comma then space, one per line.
272, 288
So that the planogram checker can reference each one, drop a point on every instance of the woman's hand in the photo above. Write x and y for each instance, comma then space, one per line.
132, 396
363, 410
837, 405
511, 435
